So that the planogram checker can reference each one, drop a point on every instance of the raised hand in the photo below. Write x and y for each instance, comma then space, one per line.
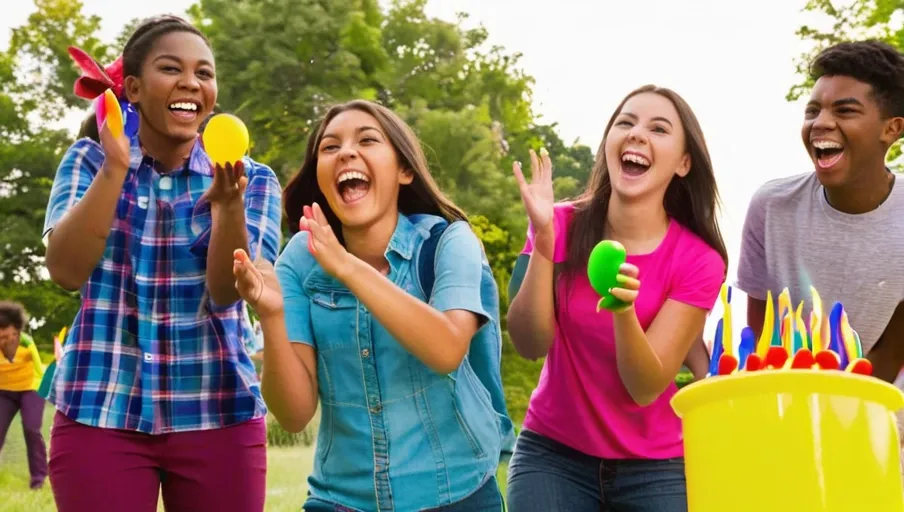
257, 284
117, 151
538, 199
324, 245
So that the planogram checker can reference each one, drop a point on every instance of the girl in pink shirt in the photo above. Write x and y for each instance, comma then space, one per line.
599, 432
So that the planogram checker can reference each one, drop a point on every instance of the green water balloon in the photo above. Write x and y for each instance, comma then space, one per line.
602, 269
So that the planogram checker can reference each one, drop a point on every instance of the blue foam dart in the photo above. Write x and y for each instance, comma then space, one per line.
718, 349
836, 344
747, 346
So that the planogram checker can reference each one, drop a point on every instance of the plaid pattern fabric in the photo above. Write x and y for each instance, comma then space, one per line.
148, 350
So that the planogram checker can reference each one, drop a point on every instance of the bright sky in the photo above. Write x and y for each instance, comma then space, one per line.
732, 62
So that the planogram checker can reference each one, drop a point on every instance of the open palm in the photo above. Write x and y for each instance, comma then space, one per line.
537, 195
257, 284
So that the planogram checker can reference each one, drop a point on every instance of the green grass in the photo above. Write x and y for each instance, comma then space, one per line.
17, 497
287, 473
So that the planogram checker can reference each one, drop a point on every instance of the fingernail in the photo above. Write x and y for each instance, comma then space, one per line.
621, 279
543, 151
518, 164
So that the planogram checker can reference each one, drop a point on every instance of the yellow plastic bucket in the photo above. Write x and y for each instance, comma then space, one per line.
783, 441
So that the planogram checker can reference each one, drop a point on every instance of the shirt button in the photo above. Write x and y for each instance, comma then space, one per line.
148, 357
365, 353
166, 183
376, 409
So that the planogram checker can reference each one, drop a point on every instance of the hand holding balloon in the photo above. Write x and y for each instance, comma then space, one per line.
613, 279
117, 147
225, 139
113, 113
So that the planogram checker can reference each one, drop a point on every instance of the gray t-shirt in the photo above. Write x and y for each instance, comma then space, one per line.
793, 238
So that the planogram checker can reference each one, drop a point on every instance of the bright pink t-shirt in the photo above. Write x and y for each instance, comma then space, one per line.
580, 400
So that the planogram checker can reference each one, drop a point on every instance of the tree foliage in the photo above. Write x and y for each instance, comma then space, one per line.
280, 65
36, 77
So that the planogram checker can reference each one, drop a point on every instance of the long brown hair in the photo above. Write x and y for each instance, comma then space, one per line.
691, 200
422, 195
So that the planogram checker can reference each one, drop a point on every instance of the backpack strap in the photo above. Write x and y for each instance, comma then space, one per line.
426, 260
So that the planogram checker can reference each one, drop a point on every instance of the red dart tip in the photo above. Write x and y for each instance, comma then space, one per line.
828, 360
803, 360
776, 357
727, 364
754, 363
861, 366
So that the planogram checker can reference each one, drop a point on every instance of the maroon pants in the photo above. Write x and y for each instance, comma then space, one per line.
30, 406
99, 470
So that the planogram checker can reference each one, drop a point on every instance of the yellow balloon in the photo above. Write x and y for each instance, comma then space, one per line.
225, 139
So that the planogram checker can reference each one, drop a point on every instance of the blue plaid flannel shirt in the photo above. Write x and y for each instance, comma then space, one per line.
148, 350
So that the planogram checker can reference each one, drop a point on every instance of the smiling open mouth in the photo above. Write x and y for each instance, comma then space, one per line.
185, 110
352, 186
828, 153
634, 165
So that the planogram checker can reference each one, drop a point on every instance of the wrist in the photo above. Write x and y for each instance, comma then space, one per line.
113, 171
345, 273
547, 231
232, 208
545, 241
625, 312
273, 315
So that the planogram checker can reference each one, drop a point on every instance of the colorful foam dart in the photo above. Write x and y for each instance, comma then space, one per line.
762, 346
785, 324
801, 340
717, 350
754, 363
727, 364
803, 360
776, 357
848, 339
817, 323
860, 366
746, 347
725, 295
828, 360
836, 344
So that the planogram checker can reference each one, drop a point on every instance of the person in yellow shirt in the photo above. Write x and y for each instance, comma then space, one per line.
21, 371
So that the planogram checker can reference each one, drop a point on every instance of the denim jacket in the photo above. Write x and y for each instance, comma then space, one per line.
394, 434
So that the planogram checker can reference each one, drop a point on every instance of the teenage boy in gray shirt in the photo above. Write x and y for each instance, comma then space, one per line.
840, 228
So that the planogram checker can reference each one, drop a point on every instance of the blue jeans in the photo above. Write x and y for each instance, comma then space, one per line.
545, 475
486, 499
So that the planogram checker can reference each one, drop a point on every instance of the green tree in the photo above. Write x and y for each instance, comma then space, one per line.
849, 21
36, 77
44, 67
280, 64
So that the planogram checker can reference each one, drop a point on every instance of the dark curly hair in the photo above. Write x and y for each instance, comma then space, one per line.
873, 62
12, 313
